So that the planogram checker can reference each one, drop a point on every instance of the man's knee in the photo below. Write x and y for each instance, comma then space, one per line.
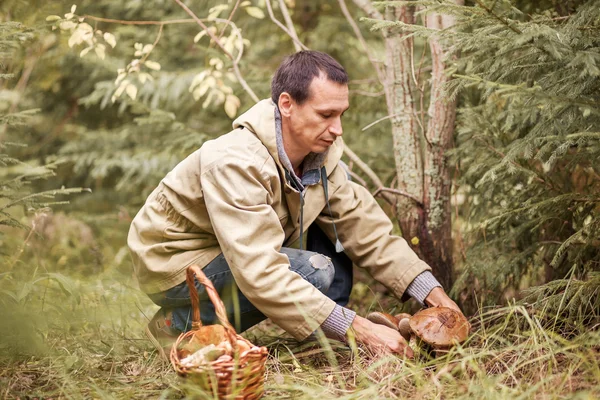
324, 271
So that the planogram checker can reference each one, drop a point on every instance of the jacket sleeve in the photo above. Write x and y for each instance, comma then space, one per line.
238, 199
365, 231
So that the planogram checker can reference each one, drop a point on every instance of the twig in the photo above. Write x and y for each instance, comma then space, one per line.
160, 29
362, 41
537, 177
171, 22
236, 69
379, 120
369, 172
126, 22
499, 18
354, 175
25, 243
290, 25
296, 41
368, 8
399, 193
235, 7
361, 81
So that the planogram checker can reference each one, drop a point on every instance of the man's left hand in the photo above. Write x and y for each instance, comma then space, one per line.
438, 298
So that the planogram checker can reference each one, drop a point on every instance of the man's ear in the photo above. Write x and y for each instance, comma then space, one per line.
285, 104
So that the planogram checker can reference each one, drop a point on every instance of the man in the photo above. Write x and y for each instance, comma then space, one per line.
236, 205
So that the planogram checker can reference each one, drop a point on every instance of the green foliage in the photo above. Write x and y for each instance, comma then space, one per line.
121, 140
72, 318
21, 329
528, 145
16, 176
571, 305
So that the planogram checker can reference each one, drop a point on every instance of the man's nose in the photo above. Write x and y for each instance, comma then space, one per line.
336, 127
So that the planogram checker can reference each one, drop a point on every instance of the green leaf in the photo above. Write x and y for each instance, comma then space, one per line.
152, 65
131, 91
232, 103
255, 12
199, 36
85, 51
110, 39
100, 51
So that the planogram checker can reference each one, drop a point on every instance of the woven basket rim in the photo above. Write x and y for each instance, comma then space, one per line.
246, 367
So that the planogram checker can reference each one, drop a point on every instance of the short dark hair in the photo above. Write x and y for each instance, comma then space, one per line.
297, 71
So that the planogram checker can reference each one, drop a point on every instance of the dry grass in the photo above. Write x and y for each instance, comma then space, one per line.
70, 336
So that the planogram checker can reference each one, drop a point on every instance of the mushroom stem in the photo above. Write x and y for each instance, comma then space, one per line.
412, 343
405, 329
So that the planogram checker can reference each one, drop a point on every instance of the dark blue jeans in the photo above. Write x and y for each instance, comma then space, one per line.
331, 274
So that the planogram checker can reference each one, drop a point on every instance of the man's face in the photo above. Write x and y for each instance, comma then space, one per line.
317, 123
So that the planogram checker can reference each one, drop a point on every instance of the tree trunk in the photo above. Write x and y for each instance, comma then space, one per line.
400, 101
437, 241
421, 166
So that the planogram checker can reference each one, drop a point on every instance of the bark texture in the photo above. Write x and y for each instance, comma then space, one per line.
420, 157
400, 101
437, 246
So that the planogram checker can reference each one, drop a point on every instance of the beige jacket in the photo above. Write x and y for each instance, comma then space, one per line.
231, 196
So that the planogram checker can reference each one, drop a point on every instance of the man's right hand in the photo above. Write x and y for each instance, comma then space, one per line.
379, 338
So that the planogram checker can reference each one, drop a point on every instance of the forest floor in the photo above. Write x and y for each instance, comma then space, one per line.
72, 334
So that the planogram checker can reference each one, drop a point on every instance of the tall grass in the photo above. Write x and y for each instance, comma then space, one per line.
70, 334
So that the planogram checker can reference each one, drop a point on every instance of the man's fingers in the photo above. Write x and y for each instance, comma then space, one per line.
404, 350
408, 352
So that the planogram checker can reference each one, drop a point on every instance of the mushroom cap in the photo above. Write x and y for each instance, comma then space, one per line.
404, 328
383, 319
440, 326
401, 316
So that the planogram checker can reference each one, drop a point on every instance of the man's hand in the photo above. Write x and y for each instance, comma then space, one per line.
438, 298
379, 338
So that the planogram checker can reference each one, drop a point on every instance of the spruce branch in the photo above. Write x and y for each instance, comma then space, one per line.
504, 158
369, 9
498, 17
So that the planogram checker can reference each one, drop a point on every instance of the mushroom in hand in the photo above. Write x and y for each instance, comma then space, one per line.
440, 327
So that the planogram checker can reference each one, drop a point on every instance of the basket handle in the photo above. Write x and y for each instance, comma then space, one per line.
196, 271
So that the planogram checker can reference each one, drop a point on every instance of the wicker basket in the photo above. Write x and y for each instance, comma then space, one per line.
240, 378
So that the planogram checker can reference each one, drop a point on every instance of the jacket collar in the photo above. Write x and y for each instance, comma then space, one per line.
261, 119
312, 162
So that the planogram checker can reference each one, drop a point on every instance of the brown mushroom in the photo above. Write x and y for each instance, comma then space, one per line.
383, 319
440, 327
401, 316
